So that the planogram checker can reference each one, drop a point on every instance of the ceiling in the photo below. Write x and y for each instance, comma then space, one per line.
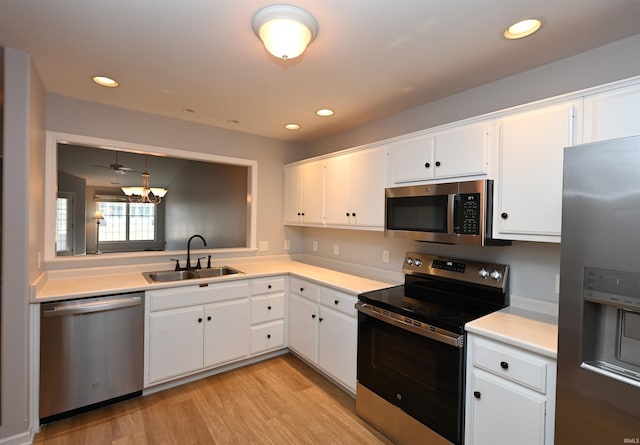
371, 58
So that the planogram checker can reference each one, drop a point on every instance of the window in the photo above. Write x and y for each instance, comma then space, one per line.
129, 226
64, 226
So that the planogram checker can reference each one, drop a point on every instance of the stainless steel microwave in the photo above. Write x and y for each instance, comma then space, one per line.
449, 213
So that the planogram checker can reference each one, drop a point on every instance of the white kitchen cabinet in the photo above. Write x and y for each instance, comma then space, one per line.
510, 395
455, 152
354, 189
304, 193
267, 314
193, 328
613, 114
323, 328
528, 191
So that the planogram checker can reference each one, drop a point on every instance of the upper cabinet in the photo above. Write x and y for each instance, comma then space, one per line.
354, 190
456, 152
613, 114
529, 184
304, 193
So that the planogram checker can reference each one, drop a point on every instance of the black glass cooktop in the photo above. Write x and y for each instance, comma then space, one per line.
440, 304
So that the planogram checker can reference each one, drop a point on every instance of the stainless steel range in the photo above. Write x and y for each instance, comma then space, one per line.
411, 351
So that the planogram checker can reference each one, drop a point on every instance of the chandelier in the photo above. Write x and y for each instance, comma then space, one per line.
145, 194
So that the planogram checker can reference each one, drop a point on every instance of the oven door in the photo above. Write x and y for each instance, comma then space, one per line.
422, 376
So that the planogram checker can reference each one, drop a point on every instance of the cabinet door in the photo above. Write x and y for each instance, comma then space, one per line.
530, 179
303, 327
293, 193
504, 414
338, 190
461, 151
412, 160
226, 331
613, 114
338, 338
367, 188
175, 342
313, 192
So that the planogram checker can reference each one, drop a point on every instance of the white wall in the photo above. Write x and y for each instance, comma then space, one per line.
91, 119
534, 266
23, 190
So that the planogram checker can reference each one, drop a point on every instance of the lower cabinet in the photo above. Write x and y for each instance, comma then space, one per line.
323, 329
510, 395
193, 328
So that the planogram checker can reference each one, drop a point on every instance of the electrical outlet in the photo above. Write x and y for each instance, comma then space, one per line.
263, 246
385, 256
336, 249
315, 246
287, 244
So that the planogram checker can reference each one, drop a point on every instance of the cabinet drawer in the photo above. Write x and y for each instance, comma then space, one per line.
339, 301
518, 366
304, 288
267, 286
267, 336
267, 307
161, 299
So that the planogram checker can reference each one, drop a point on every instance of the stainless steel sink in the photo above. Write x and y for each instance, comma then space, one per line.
192, 274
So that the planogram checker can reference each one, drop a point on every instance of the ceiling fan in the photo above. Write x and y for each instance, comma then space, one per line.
116, 167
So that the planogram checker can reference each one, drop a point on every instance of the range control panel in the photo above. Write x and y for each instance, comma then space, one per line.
484, 273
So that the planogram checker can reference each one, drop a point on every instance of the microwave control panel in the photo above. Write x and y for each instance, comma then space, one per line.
467, 214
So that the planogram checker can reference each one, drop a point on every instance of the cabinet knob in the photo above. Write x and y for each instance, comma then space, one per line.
348, 214
477, 394
320, 319
336, 302
504, 215
437, 163
427, 165
268, 335
302, 214
268, 286
268, 308
504, 365
209, 318
353, 214
299, 214
313, 315
200, 320
302, 289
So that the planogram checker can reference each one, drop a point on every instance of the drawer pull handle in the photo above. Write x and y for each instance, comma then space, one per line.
269, 286
336, 302
504, 365
477, 394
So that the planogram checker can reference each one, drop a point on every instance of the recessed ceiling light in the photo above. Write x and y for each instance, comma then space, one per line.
188, 110
523, 28
105, 81
292, 126
324, 112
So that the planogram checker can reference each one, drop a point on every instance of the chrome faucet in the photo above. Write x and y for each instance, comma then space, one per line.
189, 249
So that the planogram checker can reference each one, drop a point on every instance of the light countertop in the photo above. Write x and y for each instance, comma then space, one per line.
91, 282
525, 329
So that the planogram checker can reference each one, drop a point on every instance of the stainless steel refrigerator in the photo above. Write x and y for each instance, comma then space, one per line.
598, 392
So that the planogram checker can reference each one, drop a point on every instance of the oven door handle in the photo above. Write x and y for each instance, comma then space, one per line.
425, 330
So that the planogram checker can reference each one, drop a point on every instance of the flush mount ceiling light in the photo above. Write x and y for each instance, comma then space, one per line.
105, 81
292, 126
285, 30
523, 28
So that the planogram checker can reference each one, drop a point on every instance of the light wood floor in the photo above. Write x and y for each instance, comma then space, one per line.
279, 401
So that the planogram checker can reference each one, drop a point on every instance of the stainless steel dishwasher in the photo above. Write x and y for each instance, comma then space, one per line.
91, 353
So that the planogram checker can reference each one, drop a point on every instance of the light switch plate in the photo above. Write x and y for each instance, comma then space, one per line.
263, 246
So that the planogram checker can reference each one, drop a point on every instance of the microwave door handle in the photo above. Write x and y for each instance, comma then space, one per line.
451, 204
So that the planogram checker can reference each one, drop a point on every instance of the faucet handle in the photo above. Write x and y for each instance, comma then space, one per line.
209, 262
198, 266
177, 263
